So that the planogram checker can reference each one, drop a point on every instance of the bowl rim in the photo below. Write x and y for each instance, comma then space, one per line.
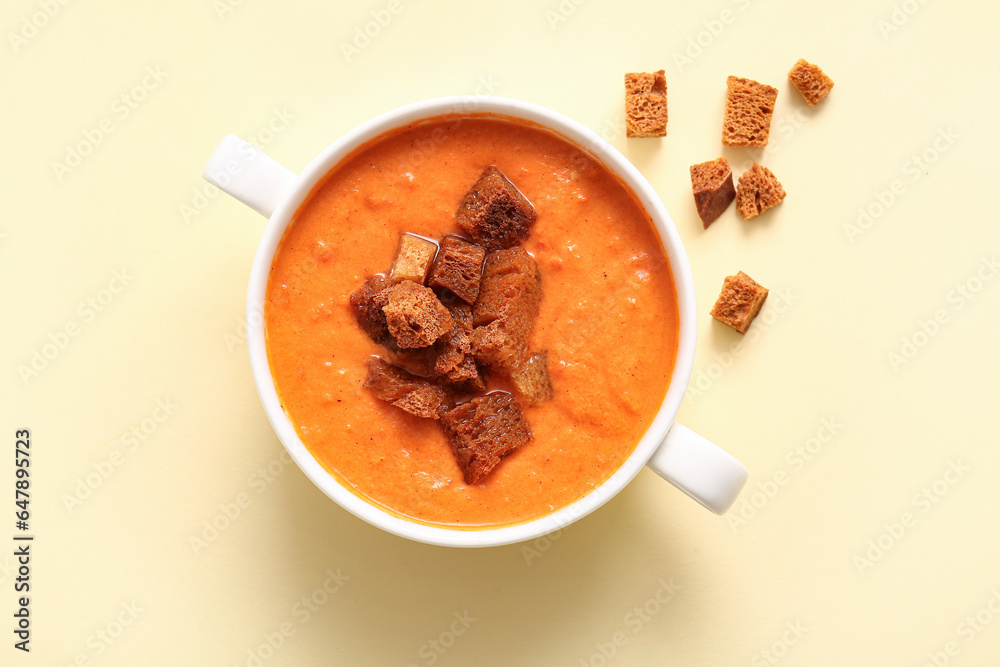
568, 129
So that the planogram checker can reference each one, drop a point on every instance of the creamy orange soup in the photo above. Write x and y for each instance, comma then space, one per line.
608, 319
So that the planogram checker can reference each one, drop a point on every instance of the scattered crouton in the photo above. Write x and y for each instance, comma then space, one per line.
504, 314
459, 268
495, 213
483, 431
406, 391
811, 81
739, 302
749, 106
413, 259
367, 302
645, 104
712, 185
531, 379
757, 191
414, 315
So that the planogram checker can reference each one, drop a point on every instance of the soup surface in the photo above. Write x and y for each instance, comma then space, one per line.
608, 319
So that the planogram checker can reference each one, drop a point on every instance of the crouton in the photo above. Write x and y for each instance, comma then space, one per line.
406, 391
739, 302
414, 315
367, 302
413, 259
757, 191
467, 376
459, 268
455, 364
811, 81
498, 346
495, 213
511, 284
483, 431
712, 185
531, 379
749, 106
645, 104
504, 314
453, 346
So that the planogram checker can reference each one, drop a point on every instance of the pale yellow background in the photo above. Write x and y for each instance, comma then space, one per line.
788, 579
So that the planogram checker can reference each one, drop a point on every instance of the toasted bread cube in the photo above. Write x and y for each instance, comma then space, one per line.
406, 391
495, 213
466, 376
511, 261
511, 285
749, 106
504, 314
413, 259
455, 364
453, 346
531, 379
499, 348
483, 431
739, 302
367, 302
757, 191
712, 185
459, 268
811, 81
414, 315
646, 104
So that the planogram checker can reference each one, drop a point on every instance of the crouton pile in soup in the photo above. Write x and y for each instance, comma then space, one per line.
527, 418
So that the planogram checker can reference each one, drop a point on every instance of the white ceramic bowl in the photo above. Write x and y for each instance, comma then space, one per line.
696, 466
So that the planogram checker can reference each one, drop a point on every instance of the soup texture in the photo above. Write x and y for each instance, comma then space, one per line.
608, 319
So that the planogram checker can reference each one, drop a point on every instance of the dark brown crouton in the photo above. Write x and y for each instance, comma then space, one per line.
531, 379
455, 364
367, 302
811, 81
406, 391
495, 213
645, 104
712, 184
459, 268
757, 191
414, 315
453, 346
413, 258
467, 376
483, 431
739, 302
500, 348
511, 284
749, 105
505, 311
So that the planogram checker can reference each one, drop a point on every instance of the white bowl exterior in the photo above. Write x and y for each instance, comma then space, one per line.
282, 217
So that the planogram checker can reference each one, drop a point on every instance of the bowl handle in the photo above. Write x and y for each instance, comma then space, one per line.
699, 468
243, 171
